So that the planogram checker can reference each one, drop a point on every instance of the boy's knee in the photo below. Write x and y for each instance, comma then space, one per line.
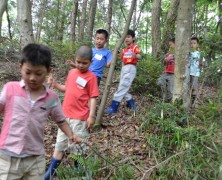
58, 154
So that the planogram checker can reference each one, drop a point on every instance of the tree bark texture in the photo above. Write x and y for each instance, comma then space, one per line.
25, 22
112, 67
73, 21
41, 15
182, 52
83, 20
155, 24
92, 15
3, 5
109, 19
169, 28
61, 22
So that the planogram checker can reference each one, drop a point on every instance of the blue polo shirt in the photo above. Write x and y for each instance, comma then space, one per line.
100, 58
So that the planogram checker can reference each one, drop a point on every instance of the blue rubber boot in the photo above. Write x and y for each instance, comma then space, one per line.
113, 108
131, 104
51, 169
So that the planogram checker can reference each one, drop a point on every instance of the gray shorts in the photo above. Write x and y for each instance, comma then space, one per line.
194, 82
78, 128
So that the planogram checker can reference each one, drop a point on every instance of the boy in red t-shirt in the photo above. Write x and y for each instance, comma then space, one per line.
166, 80
79, 106
130, 55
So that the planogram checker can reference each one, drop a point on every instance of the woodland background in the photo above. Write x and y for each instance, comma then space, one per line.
160, 140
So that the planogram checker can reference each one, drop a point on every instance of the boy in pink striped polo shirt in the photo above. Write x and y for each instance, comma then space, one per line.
27, 105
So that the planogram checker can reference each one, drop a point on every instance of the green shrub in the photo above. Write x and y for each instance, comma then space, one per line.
148, 72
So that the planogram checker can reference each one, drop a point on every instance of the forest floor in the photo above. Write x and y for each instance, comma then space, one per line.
118, 135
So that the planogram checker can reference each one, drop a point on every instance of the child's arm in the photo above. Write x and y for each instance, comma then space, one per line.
138, 56
68, 132
92, 113
71, 63
109, 57
52, 83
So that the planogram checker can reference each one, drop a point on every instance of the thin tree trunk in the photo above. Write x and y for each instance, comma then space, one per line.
220, 17
168, 30
3, 6
83, 20
156, 39
57, 20
139, 16
25, 22
182, 52
41, 15
134, 17
92, 15
111, 70
61, 22
9, 24
109, 19
73, 21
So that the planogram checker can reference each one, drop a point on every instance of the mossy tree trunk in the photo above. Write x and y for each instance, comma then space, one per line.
182, 51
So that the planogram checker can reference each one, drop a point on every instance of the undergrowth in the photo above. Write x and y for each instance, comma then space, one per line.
183, 145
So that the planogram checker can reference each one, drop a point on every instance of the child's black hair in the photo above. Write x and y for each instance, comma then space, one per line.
195, 38
131, 33
84, 52
36, 55
104, 32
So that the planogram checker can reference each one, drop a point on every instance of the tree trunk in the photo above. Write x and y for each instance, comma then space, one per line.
112, 67
109, 19
168, 30
3, 5
41, 15
61, 22
25, 22
73, 21
134, 17
83, 20
9, 24
92, 15
182, 52
139, 16
220, 17
155, 24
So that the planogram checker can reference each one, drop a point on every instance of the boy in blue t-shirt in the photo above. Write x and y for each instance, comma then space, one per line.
101, 56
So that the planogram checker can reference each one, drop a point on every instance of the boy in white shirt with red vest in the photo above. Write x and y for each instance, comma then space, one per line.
130, 56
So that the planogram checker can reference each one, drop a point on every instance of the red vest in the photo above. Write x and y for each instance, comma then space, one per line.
127, 54
170, 64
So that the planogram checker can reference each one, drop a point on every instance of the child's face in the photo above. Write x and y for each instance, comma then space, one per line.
171, 44
194, 44
34, 75
129, 40
82, 64
100, 41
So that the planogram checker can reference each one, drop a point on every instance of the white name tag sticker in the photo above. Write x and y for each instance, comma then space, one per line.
80, 81
98, 56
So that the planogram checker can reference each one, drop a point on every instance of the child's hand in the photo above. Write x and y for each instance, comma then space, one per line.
51, 81
90, 122
75, 139
71, 63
